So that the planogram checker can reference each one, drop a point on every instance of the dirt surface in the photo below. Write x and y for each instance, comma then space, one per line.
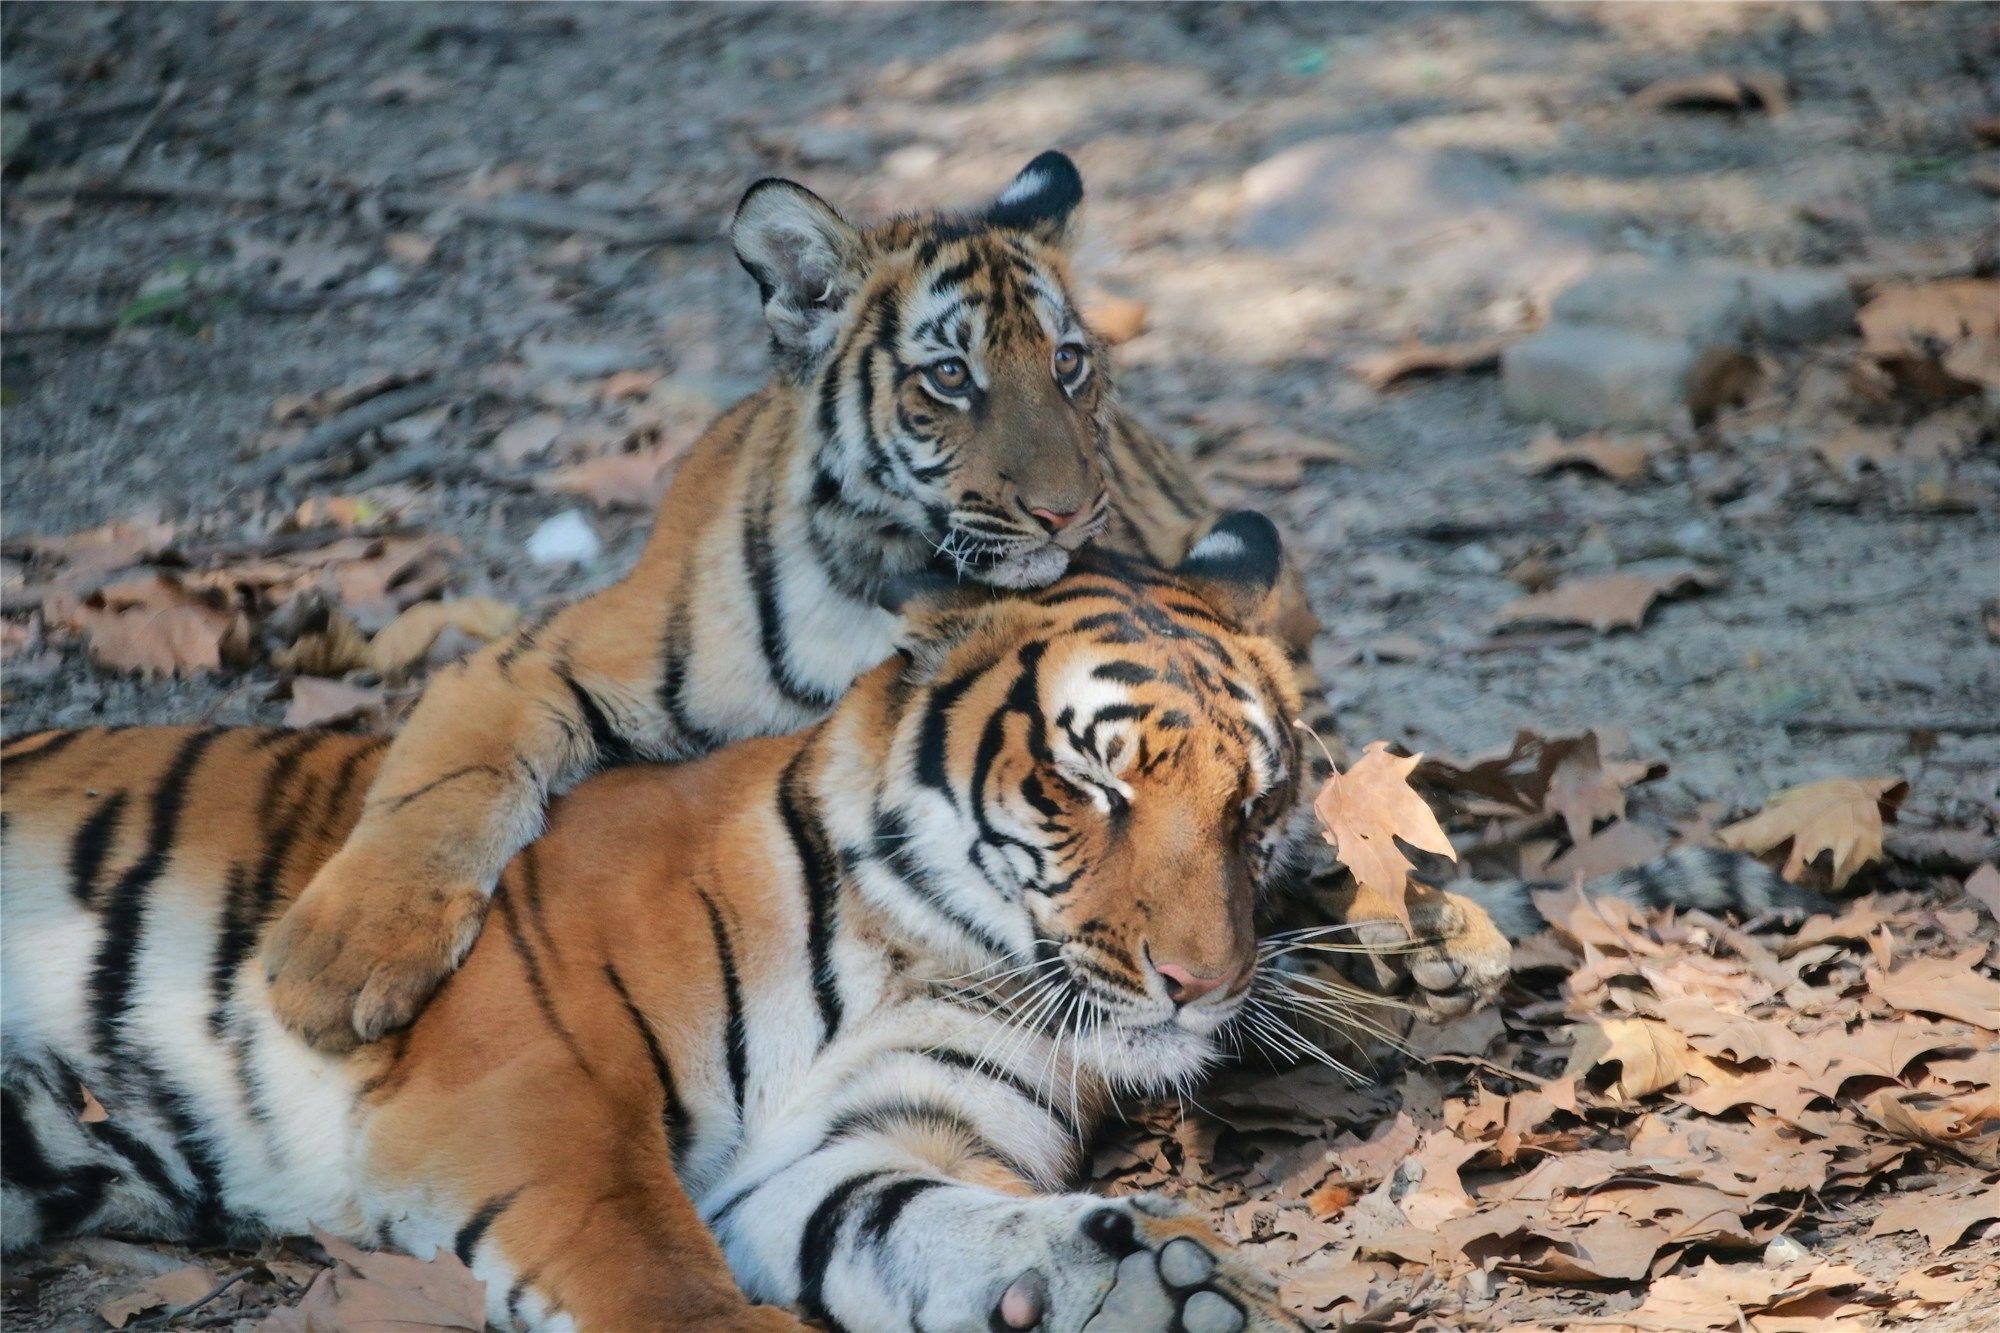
215, 208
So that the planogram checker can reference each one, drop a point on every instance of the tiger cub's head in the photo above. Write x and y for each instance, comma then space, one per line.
1089, 786
949, 384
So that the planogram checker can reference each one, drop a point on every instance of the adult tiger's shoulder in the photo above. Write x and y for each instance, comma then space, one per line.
939, 405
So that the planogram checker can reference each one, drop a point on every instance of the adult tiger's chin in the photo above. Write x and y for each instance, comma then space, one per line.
1154, 1059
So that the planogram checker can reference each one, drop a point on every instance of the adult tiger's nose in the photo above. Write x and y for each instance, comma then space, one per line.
1184, 986
1055, 522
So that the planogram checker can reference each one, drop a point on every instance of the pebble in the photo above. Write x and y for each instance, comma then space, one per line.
566, 539
1783, 1252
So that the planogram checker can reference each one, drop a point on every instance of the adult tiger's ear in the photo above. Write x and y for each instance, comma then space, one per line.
1041, 200
1235, 567
939, 612
806, 259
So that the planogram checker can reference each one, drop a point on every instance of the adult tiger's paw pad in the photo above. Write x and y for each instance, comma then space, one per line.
352, 961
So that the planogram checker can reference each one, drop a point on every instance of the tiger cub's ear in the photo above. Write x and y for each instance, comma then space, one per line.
806, 260
1041, 200
1235, 567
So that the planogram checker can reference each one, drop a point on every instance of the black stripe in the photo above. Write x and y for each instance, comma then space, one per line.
932, 741
738, 1041
607, 741
809, 843
819, 1240
890, 1203
92, 844
538, 985
112, 978
475, 1229
674, 650
763, 575
673, 1113
920, 1110
945, 1055
15, 763
395, 803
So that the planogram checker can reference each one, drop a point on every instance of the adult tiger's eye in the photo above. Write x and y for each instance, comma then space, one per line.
950, 375
1069, 361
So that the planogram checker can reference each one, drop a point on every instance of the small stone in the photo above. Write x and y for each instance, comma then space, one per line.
1783, 1252
1585, 377
566, 539
1698, 541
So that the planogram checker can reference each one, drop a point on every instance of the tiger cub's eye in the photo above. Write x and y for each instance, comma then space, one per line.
950, 375
1069, 362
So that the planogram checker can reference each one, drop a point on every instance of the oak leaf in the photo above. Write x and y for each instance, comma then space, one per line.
1381, 369
1943, 1222
322, 703
1838, 816
1740, 90
1620, 458
1366, 809
1649, 1054
1606, 601
364, 1290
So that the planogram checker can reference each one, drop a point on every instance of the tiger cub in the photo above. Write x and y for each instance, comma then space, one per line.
939, 404
819, 1021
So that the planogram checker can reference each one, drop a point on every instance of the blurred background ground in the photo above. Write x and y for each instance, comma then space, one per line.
226, 225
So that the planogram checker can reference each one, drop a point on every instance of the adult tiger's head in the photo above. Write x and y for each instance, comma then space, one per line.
947, 382
1087, 789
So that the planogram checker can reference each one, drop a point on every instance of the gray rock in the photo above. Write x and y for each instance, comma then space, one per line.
1583, 377
1711, 302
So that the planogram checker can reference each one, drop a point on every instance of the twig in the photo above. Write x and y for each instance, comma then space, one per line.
168, 97
1959, 726
163, 1320
345, 428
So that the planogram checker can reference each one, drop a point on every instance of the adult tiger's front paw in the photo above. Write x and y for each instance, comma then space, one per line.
358, 953
1450, 961
1141, 1265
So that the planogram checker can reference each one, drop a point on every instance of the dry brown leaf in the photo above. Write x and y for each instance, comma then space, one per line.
101, 550
1621, 458
1116, 319
527, 438
404, 641
1379, 370
1939, 339
1948, 987
169, 1290
322, 703
1967, 1123
1650, 1055
1607, 601
1618, 846
1939, 1284
410, 247
333, 647
1841, 816
365, 1290
1850, 448
1744, 90
617, 481
1983, 887
1943, 1222
1366, 809
153, 625
1331, 1199
93, 1111
341, 511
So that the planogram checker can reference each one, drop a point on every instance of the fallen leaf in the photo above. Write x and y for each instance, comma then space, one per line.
1607, 601
1618, 846
1379, 370
1947, 987
1331, 1199
1983, 887
1943, 1222
404, 641
628, 481
1745, 90
1116, 319
1967, 1124
322, 703
1850, 448
100, 550
1650, 1055
93, 1111
1940, 340
527, 438
1366, 809
368, 1291
1621, 458
410, 247
1938, 1285
170, 1290
1841, 816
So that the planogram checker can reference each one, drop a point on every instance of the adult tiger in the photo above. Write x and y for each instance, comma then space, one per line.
939, 400
838, 1007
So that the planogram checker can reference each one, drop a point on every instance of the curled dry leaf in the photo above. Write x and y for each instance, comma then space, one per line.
322, 703
1606, 602
1943, 1222
618, 481
169, 1290
1366, 809
1938, 339
1649, 1054
1380, 370
1743, 90
366, 1290
404, 641
1843, 817
527, 438
1621, 458
1116, 319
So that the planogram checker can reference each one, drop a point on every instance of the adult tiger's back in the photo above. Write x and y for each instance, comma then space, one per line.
940, 404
